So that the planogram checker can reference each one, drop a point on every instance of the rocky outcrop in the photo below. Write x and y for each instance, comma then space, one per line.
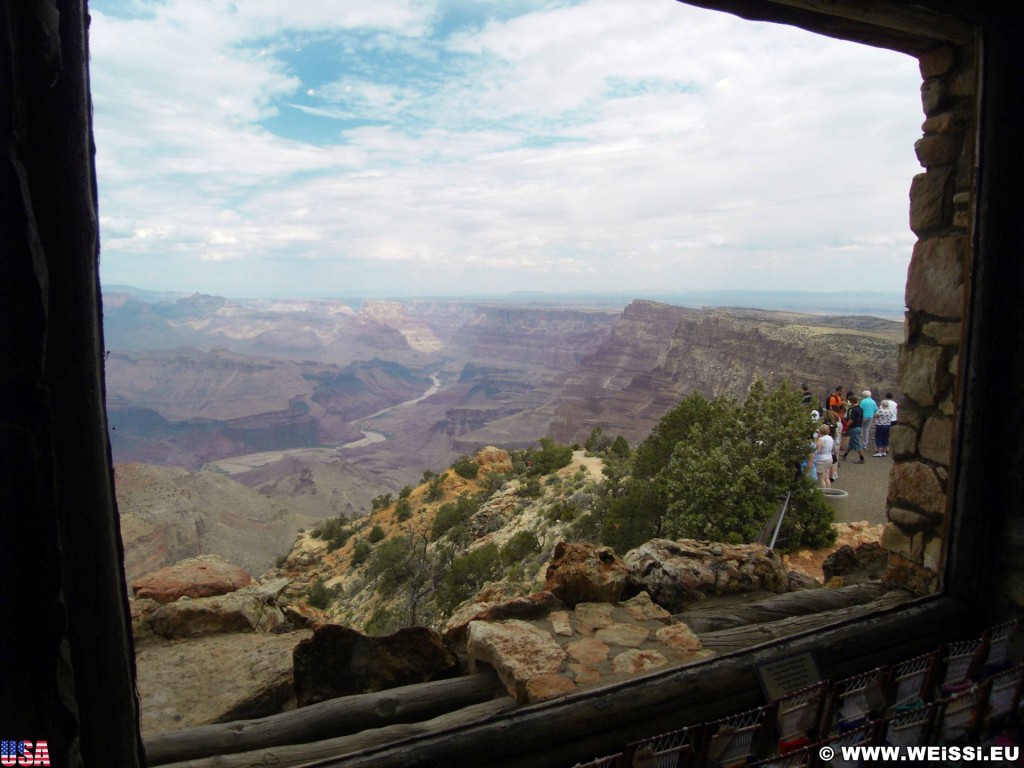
196, 577
868, 562
517, 651
169, 514
808, 563
541, 654
496, 604
417, 333
214, 679
676, 573
251, 609
585, 573
338, 661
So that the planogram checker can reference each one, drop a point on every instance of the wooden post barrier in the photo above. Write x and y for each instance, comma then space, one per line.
324, 720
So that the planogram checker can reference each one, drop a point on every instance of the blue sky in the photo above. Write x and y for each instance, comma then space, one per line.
263, 148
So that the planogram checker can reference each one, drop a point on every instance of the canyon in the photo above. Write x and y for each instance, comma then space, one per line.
295, 411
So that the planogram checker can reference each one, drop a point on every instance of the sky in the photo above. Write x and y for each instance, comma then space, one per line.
318, 148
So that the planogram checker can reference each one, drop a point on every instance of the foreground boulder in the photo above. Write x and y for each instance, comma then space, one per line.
204, 576
214, 679
526, 658
252, 609
676, 573
339, 661
866, 562
586, 573
494, 603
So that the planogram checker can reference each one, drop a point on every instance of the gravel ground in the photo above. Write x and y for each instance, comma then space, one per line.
867, 485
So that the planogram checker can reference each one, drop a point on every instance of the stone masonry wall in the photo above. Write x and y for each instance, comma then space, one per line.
941, 217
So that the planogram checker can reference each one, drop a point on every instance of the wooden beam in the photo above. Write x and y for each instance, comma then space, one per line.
909, 19
324, 720
901, 28
302, 754
777, 607
741, 638
601, 721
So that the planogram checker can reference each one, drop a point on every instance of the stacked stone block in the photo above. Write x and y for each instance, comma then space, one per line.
936, 294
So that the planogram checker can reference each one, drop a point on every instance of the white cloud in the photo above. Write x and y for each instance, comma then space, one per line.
702, 150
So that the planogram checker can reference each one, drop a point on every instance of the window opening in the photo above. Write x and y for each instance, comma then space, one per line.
939, 216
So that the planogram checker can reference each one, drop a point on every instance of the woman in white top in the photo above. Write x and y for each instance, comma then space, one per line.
823, 455
883, 423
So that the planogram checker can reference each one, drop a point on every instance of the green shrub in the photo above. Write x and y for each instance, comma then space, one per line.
435, 488
551, 457
334, 531
731, 473
360, 551
493, 482
620, 448
523, 544
406, 492
465, 467
403, 510
376, 534
384, 621
389, 565
466, 575
320, 595
380, 502
531, 489
455, 513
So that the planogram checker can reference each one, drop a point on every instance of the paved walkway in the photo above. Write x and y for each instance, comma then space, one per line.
867, 485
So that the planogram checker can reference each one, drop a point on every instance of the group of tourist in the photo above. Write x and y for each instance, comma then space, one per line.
847, 425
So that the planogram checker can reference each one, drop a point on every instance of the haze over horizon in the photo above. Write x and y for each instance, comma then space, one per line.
451, 148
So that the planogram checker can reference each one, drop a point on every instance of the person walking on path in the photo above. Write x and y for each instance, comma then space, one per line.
883, 423
854, 425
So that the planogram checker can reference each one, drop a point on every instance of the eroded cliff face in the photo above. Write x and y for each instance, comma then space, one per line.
657, 354
554, 338
187, 407
418, 334
506, 375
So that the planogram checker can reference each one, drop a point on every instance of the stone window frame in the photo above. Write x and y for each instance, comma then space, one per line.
941, 215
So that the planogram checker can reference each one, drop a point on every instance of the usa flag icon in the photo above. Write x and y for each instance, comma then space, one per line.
21, 752
9, 749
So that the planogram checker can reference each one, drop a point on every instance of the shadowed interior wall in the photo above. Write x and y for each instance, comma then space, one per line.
66, 662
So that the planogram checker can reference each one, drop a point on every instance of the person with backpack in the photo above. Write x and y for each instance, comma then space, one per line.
854, 423
835, 401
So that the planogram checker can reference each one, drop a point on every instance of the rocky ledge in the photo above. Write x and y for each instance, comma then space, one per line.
598, 619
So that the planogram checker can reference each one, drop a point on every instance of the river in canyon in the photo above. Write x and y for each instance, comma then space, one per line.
238, 464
